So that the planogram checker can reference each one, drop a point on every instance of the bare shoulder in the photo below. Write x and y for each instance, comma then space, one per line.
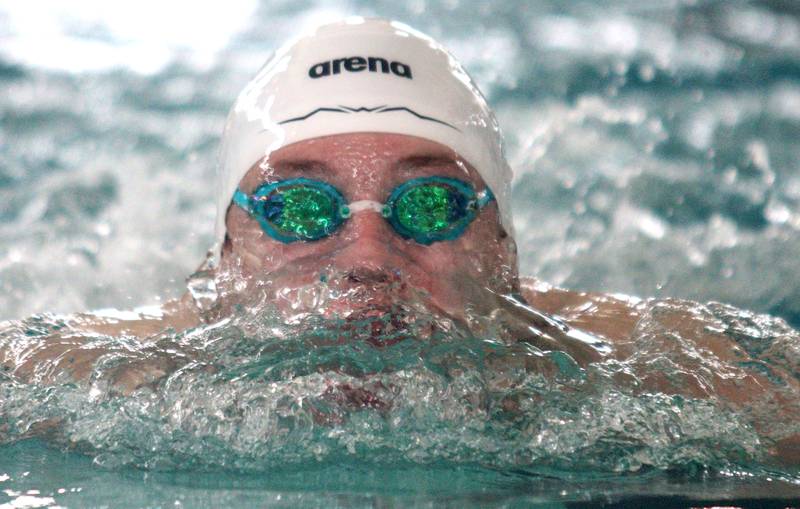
65, 345
613, 316
176, 315
616, 316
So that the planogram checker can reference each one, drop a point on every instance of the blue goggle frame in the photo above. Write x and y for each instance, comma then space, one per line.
266, 210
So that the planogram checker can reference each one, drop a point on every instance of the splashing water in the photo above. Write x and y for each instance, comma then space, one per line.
655, 150
254, 393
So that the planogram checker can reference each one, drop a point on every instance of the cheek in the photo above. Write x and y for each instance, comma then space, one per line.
446, 263
251, 247
480, 252
258, 253
439, 261
487, 249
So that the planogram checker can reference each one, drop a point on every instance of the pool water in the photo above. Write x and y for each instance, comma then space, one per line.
70, 480
420, 411
655, 155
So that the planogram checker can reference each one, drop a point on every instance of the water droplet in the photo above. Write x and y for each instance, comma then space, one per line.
203, 289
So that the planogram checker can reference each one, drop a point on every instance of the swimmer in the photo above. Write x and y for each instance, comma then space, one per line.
363, 161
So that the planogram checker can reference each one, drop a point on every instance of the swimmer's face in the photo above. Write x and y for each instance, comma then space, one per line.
368, 166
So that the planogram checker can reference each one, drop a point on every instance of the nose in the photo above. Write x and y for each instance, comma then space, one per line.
369, 241
367, 221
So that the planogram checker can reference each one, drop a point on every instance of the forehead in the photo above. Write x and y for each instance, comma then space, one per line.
373, 157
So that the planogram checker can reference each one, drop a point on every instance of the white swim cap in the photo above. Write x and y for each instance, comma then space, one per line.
361, 75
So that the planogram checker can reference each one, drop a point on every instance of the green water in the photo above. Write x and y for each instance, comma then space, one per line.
254, 409
44, 476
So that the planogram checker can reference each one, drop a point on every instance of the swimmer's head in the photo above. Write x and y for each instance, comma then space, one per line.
367, 109
361, 76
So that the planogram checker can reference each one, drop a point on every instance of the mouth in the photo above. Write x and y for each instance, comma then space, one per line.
381, 325
368, 312
386, 297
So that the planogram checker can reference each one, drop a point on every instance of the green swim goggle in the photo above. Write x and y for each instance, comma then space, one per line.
427, 209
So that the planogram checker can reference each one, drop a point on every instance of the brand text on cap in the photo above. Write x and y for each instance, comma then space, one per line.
358, 64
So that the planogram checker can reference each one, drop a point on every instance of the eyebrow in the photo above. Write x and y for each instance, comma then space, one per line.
417, 162
303, 166
406, 165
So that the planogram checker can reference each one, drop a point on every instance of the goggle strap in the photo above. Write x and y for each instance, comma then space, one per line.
242, 200
358, 206
484, 197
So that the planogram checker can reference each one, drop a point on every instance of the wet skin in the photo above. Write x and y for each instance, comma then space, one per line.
368, 166
466, 279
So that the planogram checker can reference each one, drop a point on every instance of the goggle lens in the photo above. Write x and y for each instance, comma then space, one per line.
428, 208
306, 212
301, 210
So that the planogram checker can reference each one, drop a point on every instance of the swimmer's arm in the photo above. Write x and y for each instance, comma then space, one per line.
71, 352
762, 383
67, 359
175, 315
615, 318
610, 316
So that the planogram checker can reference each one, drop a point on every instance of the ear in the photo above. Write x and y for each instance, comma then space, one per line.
513, 259
227, 247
